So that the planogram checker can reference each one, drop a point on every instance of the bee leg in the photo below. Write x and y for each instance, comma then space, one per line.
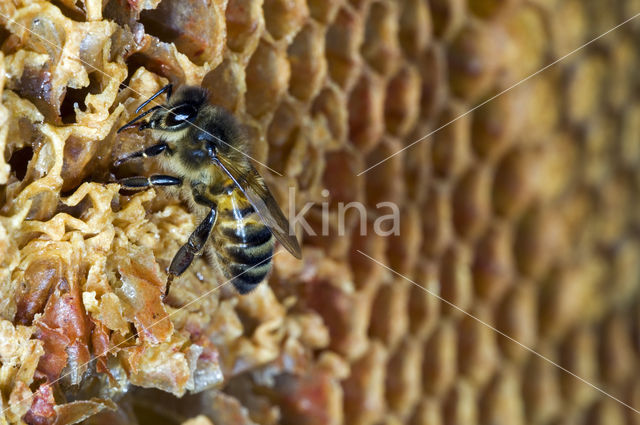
144, 153
143, 182
183, 258
168, 89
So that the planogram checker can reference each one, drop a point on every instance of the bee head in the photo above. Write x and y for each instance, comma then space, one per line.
180, 110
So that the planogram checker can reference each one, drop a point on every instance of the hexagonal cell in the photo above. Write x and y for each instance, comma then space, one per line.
501, 401
340, 177
367, 274
516, 182
584, 88
559, 157
498, 123
493, 263
489, 9
456, 280
360, 5
424, 306
601, 19
417, 166
166, 61
284, 18
569, 297
427, 412
632, 393
450, 150
344, 37
384, 183
540, 239
578, 353
439, 367
616, 354
432, 66
78, 156
404, 247
447, 17
390, 419
331, 106
225, 84
576, 211
381, 48
614, 211
569, 26
346, 315
403, 384
415, 27
528, 39
302, 399
267, 78
366, 112
477, 347
402, 104
244, 24
258, 147
283, 134
621, 61
626, 276
475, 59
517, 317
307, 61
596, 146
196, 27
544, 109
630, 126
608, 412
437, 222
459, 405
286, 119
331, 233
541, 390
324, 10
364, 389
390, 301
472, 202
301, 159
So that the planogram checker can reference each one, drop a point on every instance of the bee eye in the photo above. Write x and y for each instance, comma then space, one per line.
212, 149
179, 115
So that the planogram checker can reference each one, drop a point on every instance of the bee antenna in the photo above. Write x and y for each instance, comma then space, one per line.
138, 118
168, 88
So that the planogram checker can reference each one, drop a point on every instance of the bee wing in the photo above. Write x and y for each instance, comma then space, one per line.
258, 194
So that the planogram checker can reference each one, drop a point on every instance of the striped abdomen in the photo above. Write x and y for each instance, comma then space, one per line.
244, 245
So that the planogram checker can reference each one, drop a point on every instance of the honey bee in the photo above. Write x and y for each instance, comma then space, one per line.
202, 145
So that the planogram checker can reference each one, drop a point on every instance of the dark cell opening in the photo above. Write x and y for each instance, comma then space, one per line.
77, 13
190, 25
152, 64
156, 23
4, 34
67, 112
20, 161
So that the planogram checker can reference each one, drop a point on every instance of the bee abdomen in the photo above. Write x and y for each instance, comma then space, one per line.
246, 257
250, 234
248, 277
243, 254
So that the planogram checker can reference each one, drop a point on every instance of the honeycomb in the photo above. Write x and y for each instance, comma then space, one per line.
521, 215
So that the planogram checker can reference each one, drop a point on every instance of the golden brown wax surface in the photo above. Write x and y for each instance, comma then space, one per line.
523, 213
